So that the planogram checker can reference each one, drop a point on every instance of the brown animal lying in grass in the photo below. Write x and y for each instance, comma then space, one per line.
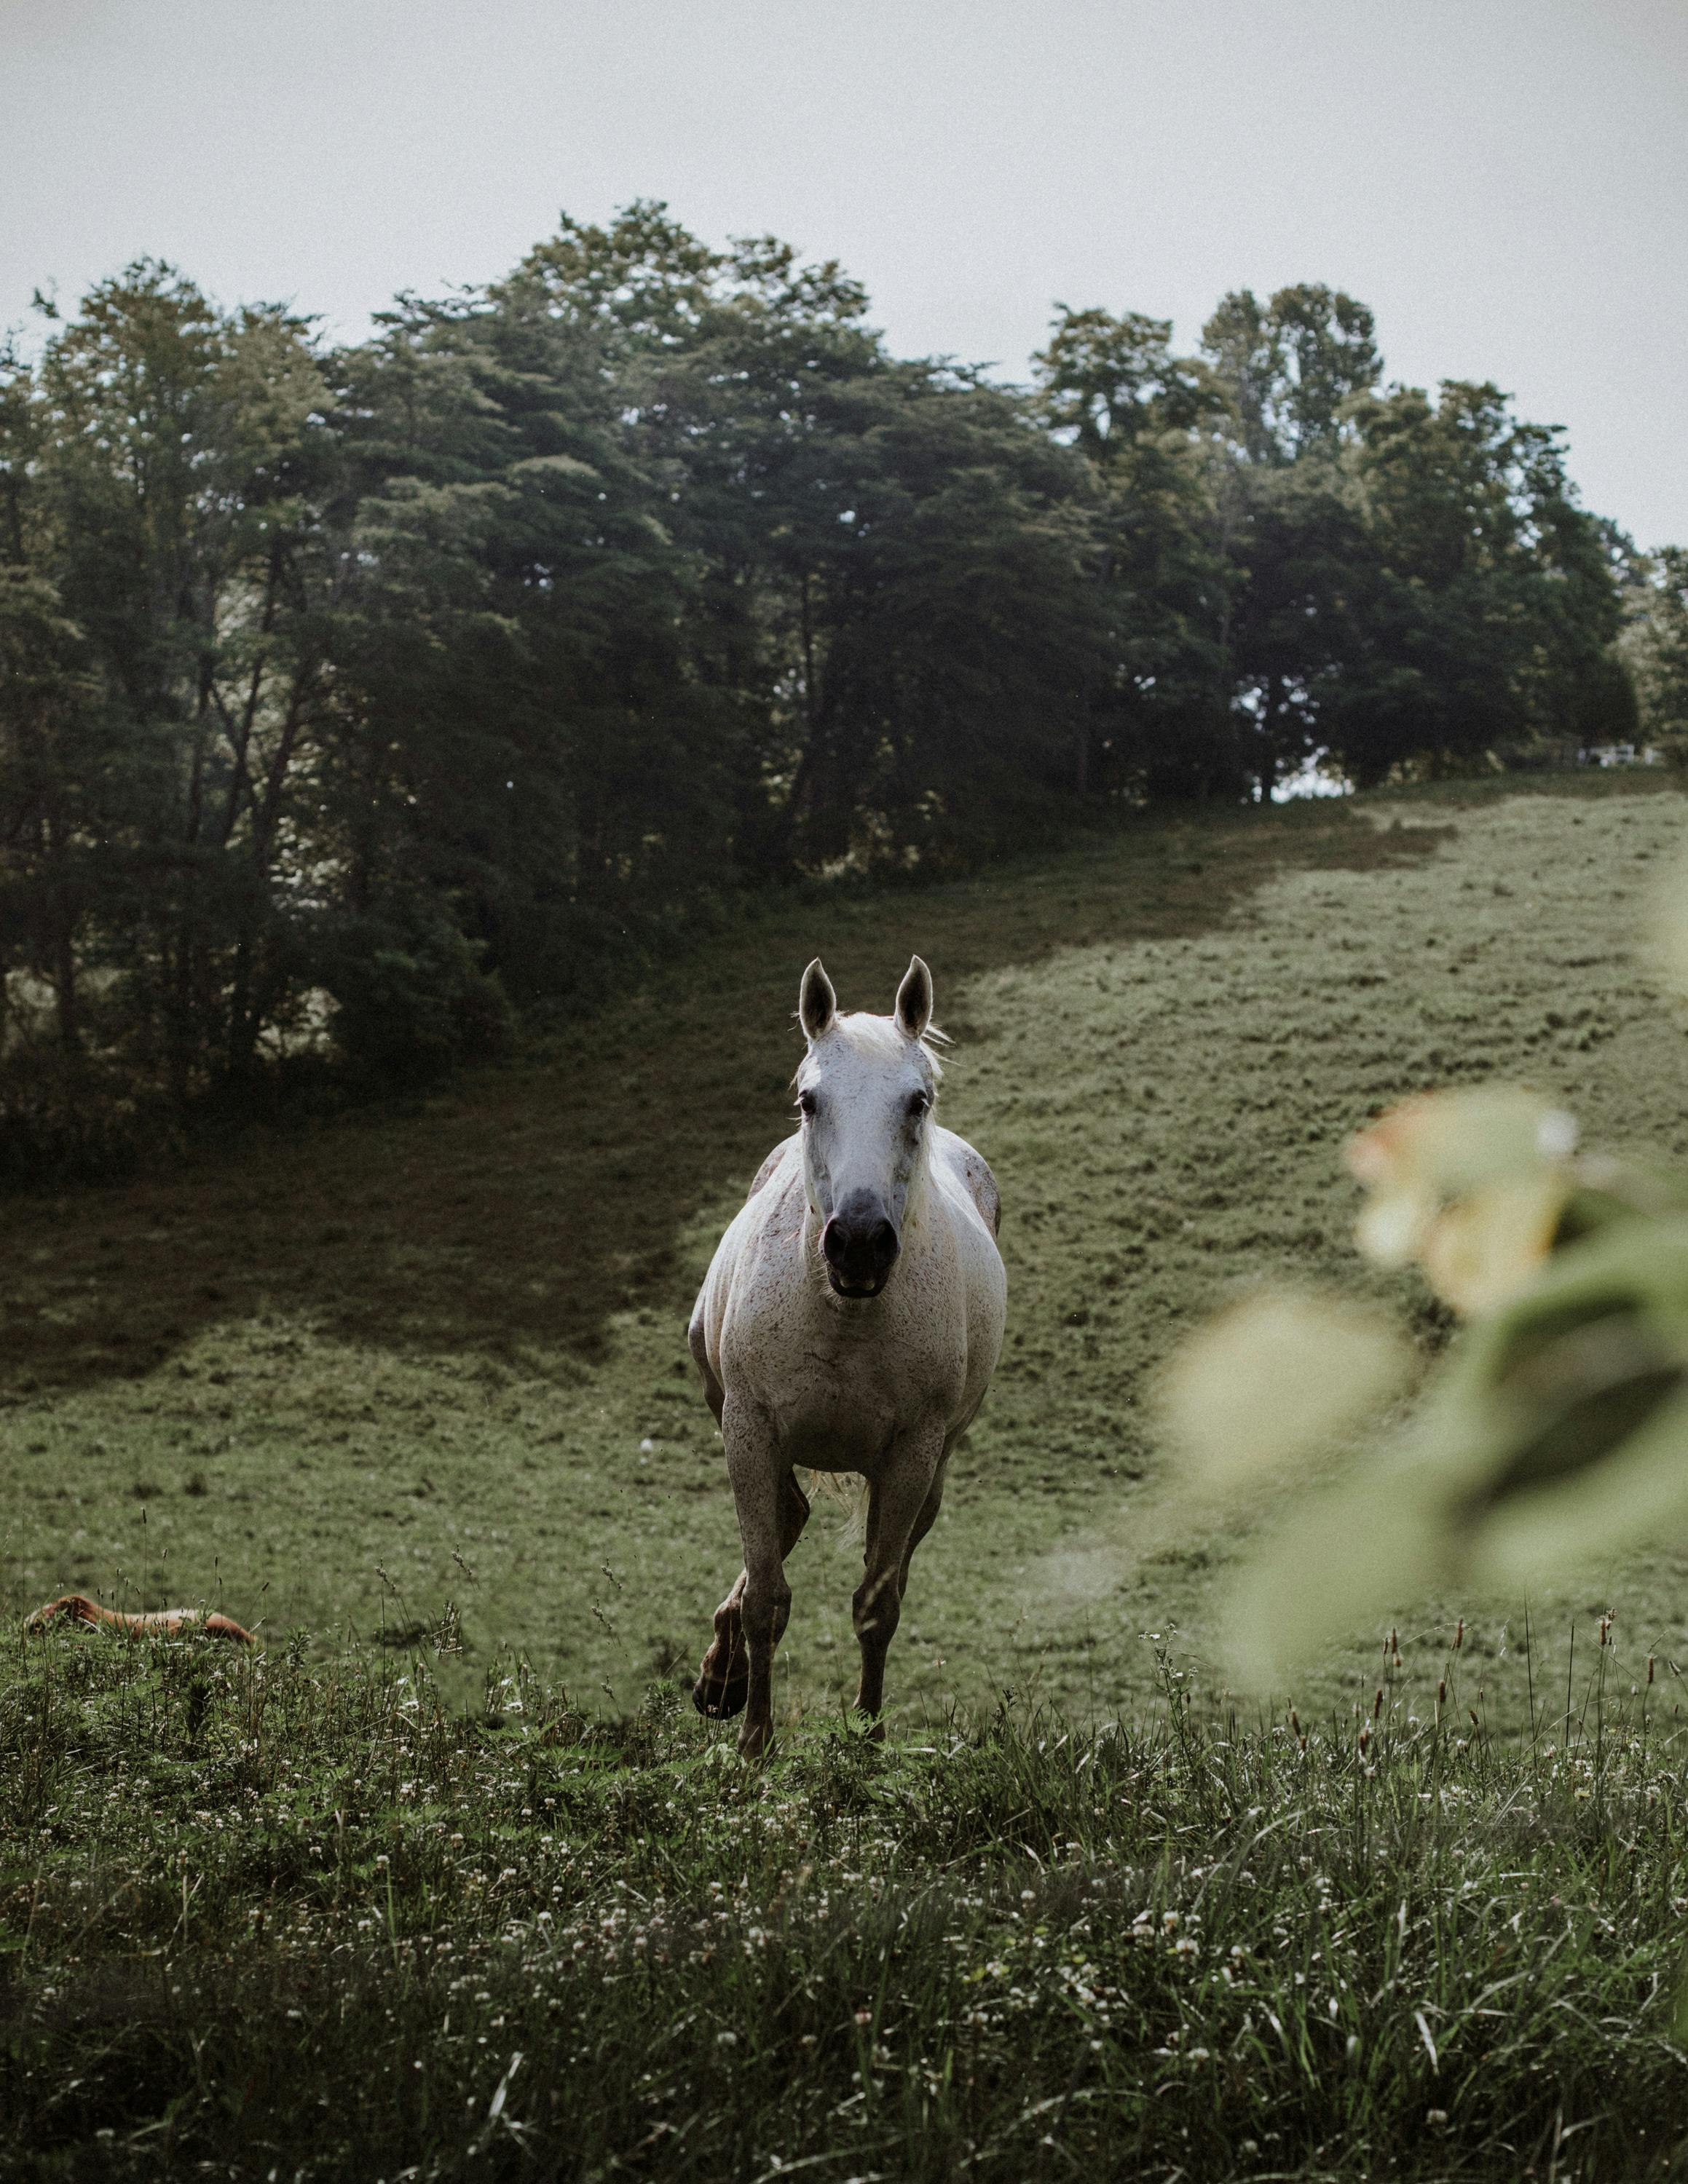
161, 1623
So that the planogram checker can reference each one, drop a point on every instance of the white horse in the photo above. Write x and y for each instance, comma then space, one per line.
851, 1320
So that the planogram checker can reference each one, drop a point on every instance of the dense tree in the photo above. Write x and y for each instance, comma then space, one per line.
1656, 644
52, 762
168, 489
1291, 367
1290, 371
354, 700
886, 554
1162, 719
1486, 610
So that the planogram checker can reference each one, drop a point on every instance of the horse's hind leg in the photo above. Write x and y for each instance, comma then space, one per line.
923, 1523
902, 1508
724, 1680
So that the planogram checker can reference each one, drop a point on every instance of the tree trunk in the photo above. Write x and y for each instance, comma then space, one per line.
67, 999
1275, 709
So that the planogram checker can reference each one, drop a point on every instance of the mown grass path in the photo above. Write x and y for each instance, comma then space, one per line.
360, 1372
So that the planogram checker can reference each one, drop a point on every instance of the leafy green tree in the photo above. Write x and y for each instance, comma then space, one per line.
53, 761
174, 501
1296, 542
1290, 371
350, 700
517, 744
1656, 647
887, 610
1160, 720
1290, 368
1488, 608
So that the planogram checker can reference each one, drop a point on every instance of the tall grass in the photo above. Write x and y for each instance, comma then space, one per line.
265, 1918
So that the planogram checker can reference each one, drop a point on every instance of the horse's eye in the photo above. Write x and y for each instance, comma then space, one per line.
806, 1101
917, 1104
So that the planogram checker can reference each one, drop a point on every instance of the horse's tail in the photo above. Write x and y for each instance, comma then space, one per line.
846, 1491
159, 1622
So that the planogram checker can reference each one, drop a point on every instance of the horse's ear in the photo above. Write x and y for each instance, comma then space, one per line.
914, 998
817, 1003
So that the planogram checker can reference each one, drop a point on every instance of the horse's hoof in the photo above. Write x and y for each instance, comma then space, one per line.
719, 1699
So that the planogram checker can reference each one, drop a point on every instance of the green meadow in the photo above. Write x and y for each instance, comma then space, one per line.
266, 1917
350, 1379
449, 1881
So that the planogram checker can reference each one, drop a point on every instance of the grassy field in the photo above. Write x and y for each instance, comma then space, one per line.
282, 1919
450, 1881
361, 1373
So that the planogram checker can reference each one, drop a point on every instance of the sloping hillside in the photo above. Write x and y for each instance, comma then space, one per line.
367, 1370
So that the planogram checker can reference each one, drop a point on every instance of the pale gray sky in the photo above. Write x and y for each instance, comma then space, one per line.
1505, 182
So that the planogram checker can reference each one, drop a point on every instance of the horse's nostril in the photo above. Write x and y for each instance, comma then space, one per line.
860, 1250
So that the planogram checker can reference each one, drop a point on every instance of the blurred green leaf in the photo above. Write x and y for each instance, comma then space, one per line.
1557, 1432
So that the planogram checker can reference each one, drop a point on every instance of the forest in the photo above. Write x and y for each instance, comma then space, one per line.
362, 705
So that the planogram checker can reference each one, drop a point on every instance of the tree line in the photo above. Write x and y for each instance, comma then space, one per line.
357, 702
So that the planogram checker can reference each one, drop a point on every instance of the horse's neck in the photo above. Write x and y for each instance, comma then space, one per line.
918, 1207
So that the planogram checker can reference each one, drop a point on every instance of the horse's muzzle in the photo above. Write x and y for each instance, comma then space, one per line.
860, 1248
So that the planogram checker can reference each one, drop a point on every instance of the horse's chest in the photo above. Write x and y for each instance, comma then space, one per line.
838, 1412
842, 1399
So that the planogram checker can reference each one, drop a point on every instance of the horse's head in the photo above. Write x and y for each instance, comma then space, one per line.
865, 1089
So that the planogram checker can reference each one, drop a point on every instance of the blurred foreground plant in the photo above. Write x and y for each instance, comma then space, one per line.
1556, 1426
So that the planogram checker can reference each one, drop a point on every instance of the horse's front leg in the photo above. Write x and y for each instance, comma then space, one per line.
759, 1478
723, 1677
771, 1511
903, 1504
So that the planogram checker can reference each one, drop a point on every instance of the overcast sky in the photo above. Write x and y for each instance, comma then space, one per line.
1505, 182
